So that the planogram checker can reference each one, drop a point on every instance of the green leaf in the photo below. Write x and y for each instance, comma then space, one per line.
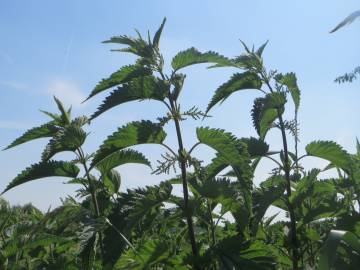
234, 153
268, 192
268, 117
141, 88
239, 81
131, 134
44, 169
233, 253
112, 180
137, 46
256, 147
330, 151
266, 110
290, 81
157, 35
192, 56
230, 148
123, 75
69, 138
65, 114
260, 50
43, 131
120, 158
149, 254
328, 251
18, 244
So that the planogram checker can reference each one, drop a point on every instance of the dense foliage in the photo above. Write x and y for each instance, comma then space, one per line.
218, 221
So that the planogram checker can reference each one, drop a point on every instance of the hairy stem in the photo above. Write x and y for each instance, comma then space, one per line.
286, 167
92, 193
182, 160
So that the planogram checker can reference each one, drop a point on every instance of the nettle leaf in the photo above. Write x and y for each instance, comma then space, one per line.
147, 255
234, 153
120, 158
65, 114
131, 134
217, 164
256, 147
66, 139
233, 253
328, 252
44, 169
330, 151
157, 35
261, 49
268, 192
43, 131
266, 110
123, 75
178, 81
141, 88
192, 56
231, 149
146, 201
239, 81
112, 180
290, 81
137, 46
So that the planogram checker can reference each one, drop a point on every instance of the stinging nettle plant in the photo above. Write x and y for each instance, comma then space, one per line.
152, 228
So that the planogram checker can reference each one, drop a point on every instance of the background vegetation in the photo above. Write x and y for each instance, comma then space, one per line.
217, 220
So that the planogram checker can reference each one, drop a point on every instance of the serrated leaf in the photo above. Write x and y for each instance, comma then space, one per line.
234, 153
121, 157
131, 134
137, 46
147, 255
260, 50
65, 114
42, 240
43, 131
192, 56
44, 169
68, 138
112, 180
256, 147
141, 88
228, 147
123, 75
269, 191
239, 81
266, 110
268, 117
330, 151
290, 80
329, 250
157, 35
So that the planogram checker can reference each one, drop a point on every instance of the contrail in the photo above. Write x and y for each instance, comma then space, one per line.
67, 53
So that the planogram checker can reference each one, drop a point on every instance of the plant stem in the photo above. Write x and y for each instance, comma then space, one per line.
286, 167
92, 193
182, 160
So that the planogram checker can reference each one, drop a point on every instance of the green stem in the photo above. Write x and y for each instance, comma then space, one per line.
182, 160
286, 165
92, 193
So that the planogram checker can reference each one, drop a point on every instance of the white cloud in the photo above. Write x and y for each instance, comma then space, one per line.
67, 91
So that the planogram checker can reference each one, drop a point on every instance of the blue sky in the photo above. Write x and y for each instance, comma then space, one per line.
50, 47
